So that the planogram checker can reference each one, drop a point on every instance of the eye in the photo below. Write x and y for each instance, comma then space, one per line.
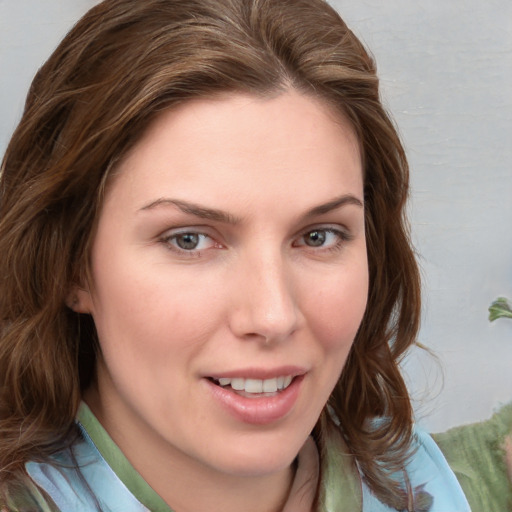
325, 238
188, 241
316, 238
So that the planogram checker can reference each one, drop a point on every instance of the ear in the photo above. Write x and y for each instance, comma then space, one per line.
79, 300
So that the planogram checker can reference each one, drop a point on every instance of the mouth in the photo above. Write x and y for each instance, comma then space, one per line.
253, 388
257, 396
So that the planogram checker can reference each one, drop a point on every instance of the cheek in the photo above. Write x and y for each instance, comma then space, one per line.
151, 312
337, 309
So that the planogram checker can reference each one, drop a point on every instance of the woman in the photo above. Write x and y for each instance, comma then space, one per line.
223, 340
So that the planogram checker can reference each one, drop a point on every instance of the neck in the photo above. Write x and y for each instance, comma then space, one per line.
189, 487
184, 483
206, 492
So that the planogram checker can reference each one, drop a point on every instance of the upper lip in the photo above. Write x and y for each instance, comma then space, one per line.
259, 373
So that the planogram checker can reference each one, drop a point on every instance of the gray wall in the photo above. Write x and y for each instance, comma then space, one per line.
446, 70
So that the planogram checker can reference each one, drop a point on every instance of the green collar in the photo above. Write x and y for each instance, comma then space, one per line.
119, 463
340, 481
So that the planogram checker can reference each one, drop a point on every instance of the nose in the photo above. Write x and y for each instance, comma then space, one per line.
265, 305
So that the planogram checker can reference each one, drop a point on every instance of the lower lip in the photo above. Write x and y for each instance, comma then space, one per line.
259, 410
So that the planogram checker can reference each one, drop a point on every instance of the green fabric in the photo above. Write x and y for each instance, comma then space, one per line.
119, 463
341, 489
476, 455
474, 452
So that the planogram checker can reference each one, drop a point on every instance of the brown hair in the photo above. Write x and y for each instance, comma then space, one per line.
125, 61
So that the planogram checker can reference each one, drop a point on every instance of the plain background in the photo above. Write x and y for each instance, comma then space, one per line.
446, 73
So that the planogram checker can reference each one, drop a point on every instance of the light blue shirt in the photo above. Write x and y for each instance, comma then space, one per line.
81, 479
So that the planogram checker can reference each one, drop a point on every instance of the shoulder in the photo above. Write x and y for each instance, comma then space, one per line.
77, 478
429, 480
427, 476
476, 453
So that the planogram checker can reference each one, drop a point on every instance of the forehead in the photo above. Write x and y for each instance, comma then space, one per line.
236, 143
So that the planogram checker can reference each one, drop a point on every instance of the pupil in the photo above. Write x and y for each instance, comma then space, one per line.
188, 241
315, 238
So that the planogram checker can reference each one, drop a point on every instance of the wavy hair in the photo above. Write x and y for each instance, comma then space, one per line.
123, 63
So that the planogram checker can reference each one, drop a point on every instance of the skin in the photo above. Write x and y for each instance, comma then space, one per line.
258, 293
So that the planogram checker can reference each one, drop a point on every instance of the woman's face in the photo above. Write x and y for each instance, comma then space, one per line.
229, 278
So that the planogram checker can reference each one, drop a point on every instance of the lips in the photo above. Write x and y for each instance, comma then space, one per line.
259, 397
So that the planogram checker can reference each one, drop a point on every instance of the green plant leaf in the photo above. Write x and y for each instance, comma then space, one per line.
500, 308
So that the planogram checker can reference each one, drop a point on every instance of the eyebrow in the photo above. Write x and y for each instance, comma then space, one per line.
194, 209
334, 204
226, 218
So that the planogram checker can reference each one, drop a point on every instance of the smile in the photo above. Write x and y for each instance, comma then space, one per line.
257, 401
255, 386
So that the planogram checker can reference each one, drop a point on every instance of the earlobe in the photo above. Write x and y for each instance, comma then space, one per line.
79, 300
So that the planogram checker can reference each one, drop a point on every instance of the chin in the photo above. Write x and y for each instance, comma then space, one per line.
259, 457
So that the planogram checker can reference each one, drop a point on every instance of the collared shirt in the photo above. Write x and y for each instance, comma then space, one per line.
95, 475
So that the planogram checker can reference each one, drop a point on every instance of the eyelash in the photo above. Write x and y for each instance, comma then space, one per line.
342, 237
170, 243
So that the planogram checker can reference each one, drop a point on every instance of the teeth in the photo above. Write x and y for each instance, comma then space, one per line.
238, 384
269, 385
257, 385
253, 386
